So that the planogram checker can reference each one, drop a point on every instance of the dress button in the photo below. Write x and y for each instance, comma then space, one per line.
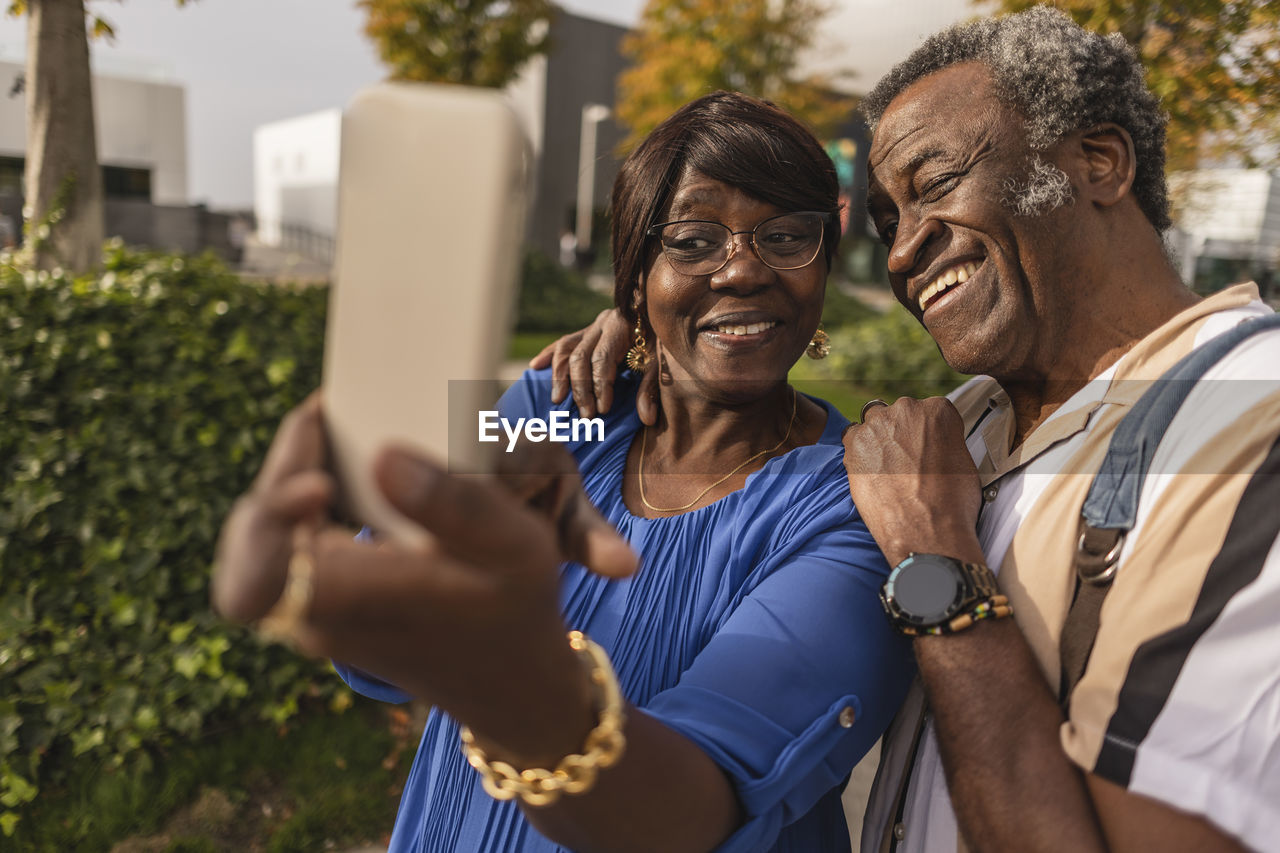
900, 831
847, 716
990, 492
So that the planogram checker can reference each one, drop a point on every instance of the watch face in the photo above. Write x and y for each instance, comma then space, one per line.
926, 589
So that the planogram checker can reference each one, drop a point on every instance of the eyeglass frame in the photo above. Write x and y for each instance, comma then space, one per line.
823, 217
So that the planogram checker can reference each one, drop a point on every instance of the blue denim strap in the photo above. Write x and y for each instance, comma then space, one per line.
1112, 503
1111, 507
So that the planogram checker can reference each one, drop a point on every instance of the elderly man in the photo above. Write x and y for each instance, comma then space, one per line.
1017, 177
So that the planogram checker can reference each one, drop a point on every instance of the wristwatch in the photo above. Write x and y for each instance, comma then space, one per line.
927, 593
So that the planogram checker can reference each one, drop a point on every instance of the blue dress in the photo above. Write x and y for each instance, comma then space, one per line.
751, 627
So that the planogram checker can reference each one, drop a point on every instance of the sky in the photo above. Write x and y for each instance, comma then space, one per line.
244, 63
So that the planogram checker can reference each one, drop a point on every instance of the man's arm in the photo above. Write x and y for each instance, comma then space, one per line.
997, 720
1012, 785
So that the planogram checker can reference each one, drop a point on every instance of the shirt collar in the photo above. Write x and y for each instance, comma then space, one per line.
1147, 360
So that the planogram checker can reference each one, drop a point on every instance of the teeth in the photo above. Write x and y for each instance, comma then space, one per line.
958, 274
753, 329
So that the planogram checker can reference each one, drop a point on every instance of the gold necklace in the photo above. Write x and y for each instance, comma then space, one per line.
644, 439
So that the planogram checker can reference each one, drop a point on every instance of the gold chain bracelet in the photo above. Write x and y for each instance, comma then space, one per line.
575, 774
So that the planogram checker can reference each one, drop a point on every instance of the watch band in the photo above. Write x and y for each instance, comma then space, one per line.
984, 580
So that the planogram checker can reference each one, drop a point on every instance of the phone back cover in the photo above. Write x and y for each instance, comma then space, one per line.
431, 209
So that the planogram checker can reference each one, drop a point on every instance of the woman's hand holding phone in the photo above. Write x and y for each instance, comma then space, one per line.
468, 620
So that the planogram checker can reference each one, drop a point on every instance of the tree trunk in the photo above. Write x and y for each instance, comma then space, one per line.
63, 180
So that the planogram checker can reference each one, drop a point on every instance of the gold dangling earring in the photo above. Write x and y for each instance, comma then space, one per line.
819, 345
638, 356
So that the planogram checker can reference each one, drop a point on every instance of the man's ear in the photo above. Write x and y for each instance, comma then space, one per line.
1110, 164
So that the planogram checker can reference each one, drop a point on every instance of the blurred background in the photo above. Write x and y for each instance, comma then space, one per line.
166, 241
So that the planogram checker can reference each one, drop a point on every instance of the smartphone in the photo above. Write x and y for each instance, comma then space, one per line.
432, 193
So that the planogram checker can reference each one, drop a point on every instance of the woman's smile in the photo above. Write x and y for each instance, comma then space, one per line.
740, 330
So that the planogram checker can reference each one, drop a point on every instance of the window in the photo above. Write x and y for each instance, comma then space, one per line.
125, 182
11, 175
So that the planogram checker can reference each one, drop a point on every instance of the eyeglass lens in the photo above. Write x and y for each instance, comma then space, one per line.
784, 242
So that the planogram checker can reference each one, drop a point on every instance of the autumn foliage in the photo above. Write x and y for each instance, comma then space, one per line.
471, 42
682, 49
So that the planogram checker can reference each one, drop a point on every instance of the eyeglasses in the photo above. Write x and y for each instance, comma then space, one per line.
700, 247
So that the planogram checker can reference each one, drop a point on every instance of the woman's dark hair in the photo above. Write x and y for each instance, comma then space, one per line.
736, 139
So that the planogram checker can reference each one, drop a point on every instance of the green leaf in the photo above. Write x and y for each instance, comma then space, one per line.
280, 370
83, 741
188, 664
16, 790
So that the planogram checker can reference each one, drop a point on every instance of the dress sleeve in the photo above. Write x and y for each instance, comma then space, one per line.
367, 685
797, 684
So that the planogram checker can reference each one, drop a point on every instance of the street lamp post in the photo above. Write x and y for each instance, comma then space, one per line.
592, 115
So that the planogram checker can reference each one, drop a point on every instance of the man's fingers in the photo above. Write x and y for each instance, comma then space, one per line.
580, 368
604, 372
299, 444
561, 350
615, 339
647, 406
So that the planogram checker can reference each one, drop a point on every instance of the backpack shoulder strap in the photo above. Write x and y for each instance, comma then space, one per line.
1111, 507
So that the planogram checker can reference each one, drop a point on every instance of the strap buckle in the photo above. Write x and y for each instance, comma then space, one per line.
1098, 554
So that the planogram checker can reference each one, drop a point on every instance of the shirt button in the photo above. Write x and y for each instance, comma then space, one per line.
900, 831
847, 716
990, 492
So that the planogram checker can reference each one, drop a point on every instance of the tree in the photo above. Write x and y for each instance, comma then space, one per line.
473, 42
63, 205
1213, 63
685, 48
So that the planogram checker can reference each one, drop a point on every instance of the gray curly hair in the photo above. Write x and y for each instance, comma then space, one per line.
1060, 77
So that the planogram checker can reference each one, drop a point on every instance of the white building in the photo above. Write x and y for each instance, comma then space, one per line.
295, 176
1227, 225
141, 122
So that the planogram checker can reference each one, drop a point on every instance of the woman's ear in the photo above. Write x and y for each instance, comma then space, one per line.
1110, 164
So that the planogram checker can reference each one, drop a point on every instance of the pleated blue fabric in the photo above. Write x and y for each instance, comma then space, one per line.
752, 628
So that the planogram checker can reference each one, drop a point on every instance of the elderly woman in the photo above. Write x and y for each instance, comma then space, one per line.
753, 664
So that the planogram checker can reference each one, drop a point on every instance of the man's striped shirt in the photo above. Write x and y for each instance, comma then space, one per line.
1180, 700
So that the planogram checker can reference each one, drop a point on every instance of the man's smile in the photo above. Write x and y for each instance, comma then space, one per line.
957, 273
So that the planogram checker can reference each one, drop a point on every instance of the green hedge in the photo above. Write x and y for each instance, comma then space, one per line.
134, 406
